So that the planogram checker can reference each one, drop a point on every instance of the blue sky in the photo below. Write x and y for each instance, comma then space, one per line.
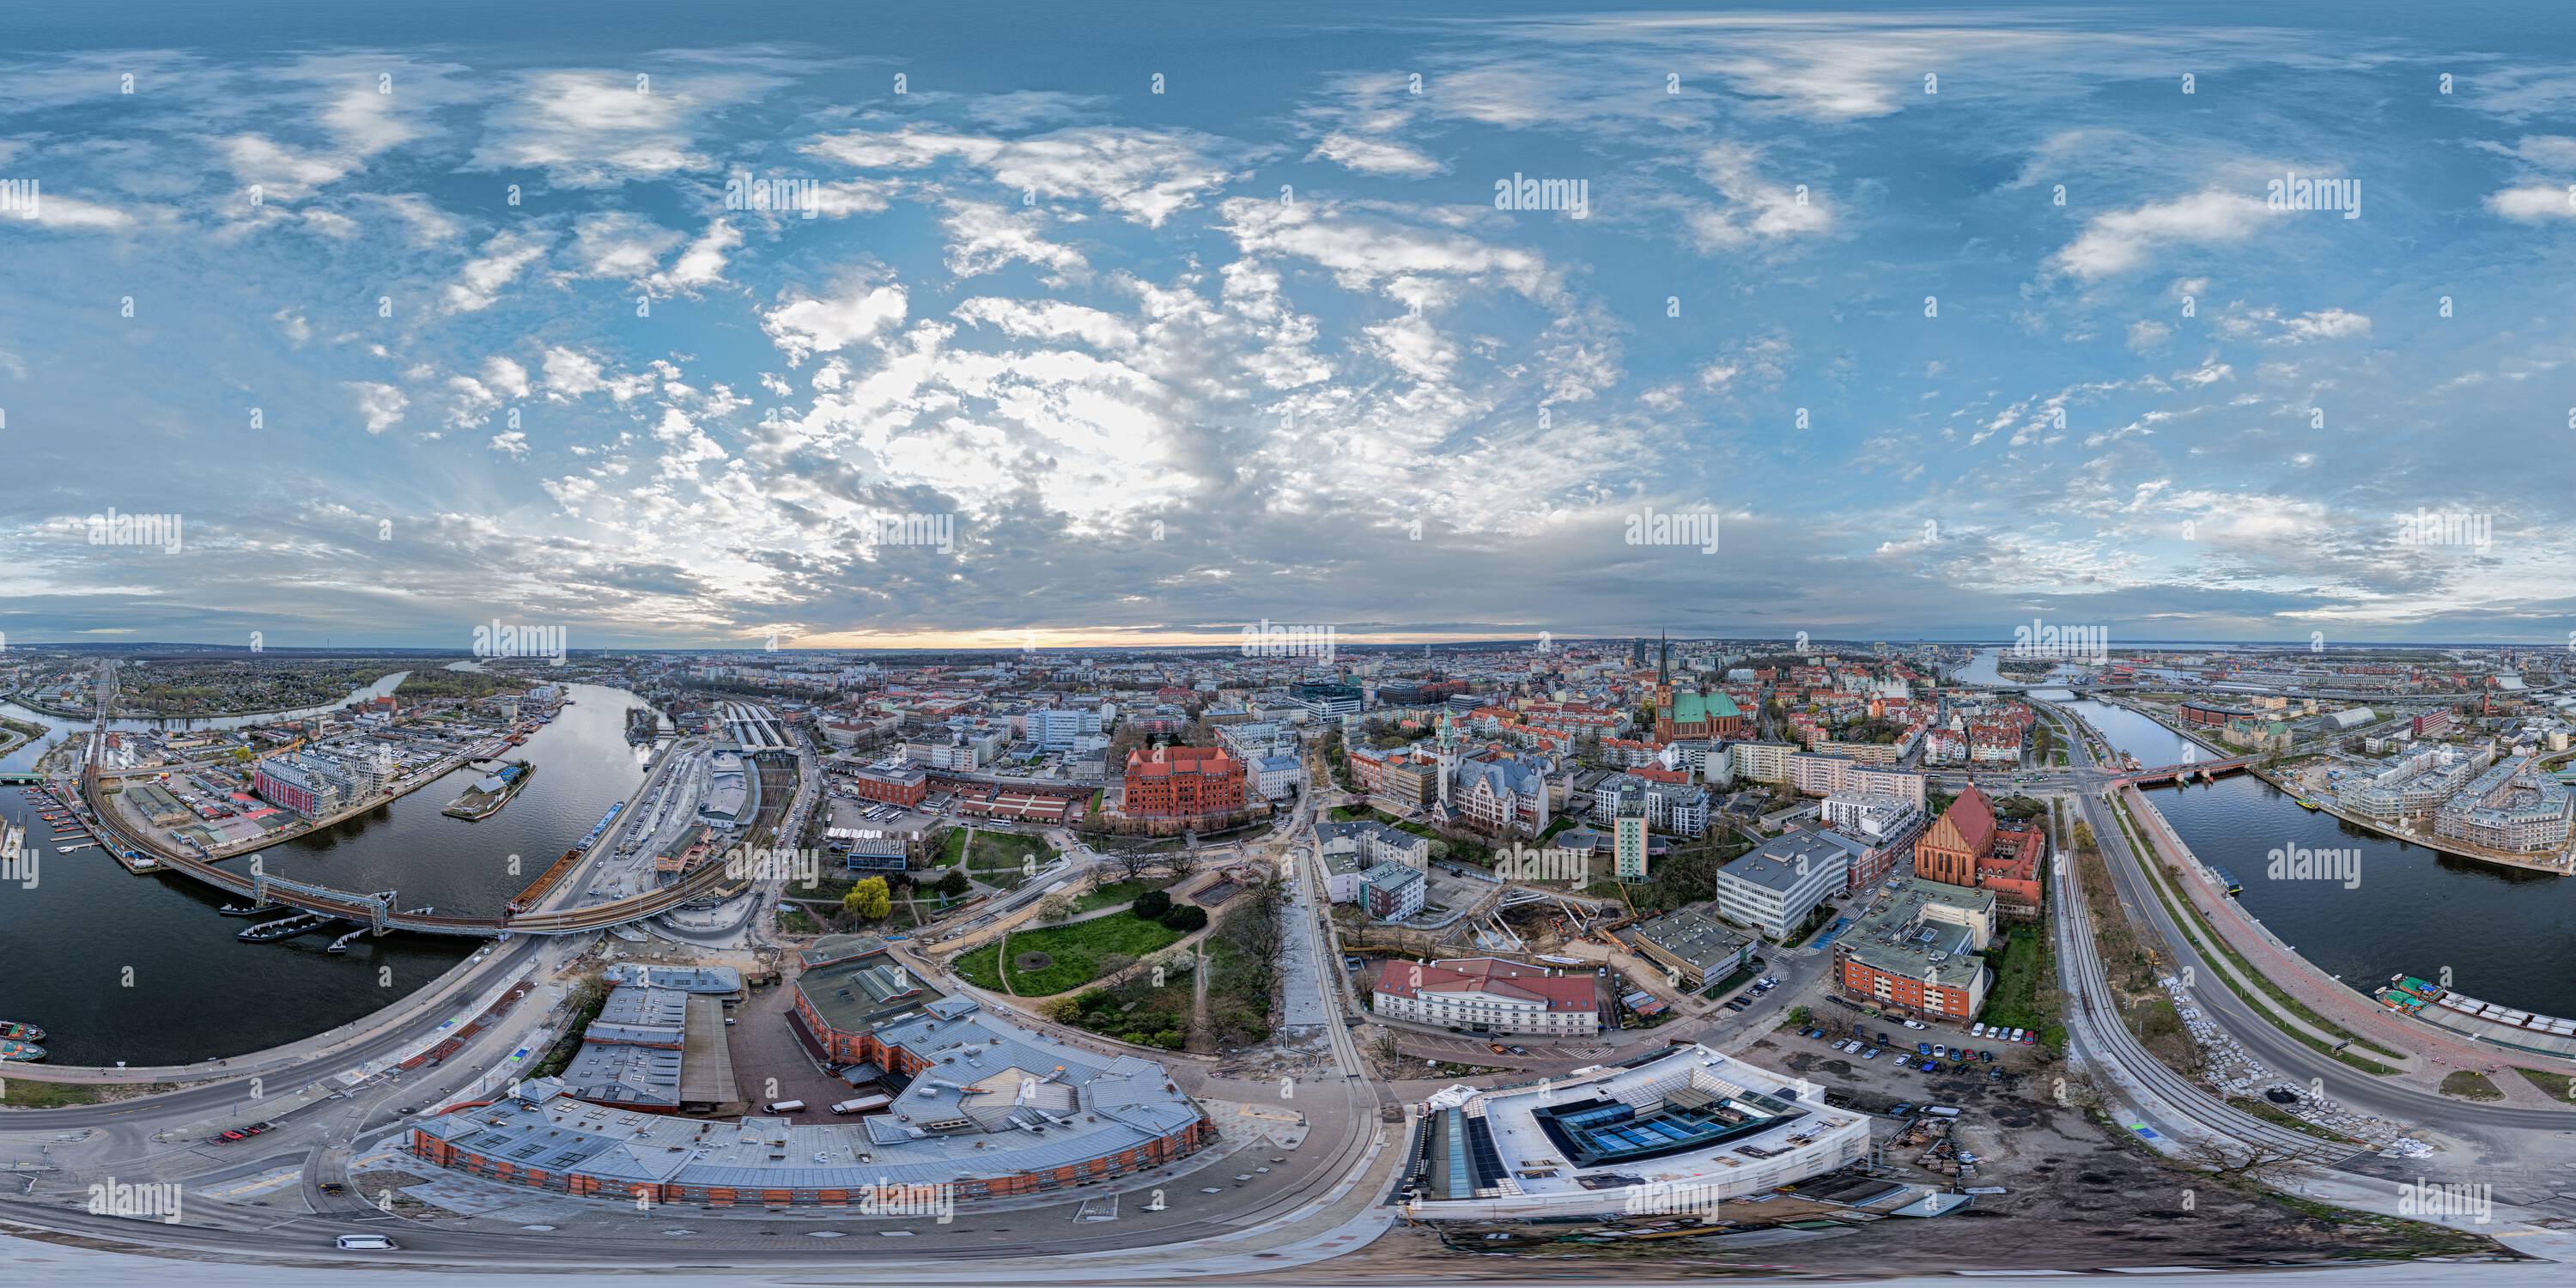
1952, 318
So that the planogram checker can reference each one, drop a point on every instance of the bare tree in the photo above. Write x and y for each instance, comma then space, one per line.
1181, 863
1131, 862
2230, 1162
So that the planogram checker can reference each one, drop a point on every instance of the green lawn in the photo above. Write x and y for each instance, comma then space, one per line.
26, 1093
951, 846
1115, 893
2558, 1085
2469, 1085
1009, 850
1077, 949
2019, 968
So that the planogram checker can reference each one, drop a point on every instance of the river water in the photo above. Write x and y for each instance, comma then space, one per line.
2501, 932
142, 969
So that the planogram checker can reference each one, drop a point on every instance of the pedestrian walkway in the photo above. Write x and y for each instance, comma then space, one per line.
2431, 1055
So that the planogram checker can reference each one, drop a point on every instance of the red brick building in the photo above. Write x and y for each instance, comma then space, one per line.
1969, 846
1183, 782
894, 784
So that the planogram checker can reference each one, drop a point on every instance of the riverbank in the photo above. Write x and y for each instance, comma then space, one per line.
2326, 1001
2556, 865
155, 840
17, 733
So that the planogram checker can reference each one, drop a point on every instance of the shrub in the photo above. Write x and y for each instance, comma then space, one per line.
1185, 918
1152, 905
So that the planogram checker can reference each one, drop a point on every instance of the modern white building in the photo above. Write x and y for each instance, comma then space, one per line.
1677, 1133
1775, 888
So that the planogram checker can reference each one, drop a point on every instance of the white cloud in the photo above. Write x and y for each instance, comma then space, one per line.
571, 374
2147, 334
2326, 324
278, 171
511, 443
703, 263
1146, 175
71, 214
505, 377
2124, 240
2532, 203
380, 405
983, 237
429, 225
1046, 319
589, 129
856, 312
619, 245
1756, 209
1374, 156
504, 257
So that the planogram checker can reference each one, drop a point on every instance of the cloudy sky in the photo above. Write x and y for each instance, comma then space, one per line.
1141, 323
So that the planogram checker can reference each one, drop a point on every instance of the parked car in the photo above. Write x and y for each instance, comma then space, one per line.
1912, 1024
1900, 1109
367, 1243
2028, 1040
1882, 1038
1870, 1054
1976, 1030
1940, 1052
1922, 1048
1987, 1056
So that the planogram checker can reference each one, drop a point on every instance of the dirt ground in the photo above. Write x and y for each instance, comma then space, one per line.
2078, 1198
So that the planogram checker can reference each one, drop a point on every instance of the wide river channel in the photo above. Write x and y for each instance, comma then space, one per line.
2504, 934
142, 969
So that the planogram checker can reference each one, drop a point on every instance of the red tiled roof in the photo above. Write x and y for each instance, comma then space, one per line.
1974, 816
1489, 975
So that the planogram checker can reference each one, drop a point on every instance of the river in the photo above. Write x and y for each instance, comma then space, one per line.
142, 969
2501, 932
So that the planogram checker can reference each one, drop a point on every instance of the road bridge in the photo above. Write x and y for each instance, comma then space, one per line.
2206, 769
